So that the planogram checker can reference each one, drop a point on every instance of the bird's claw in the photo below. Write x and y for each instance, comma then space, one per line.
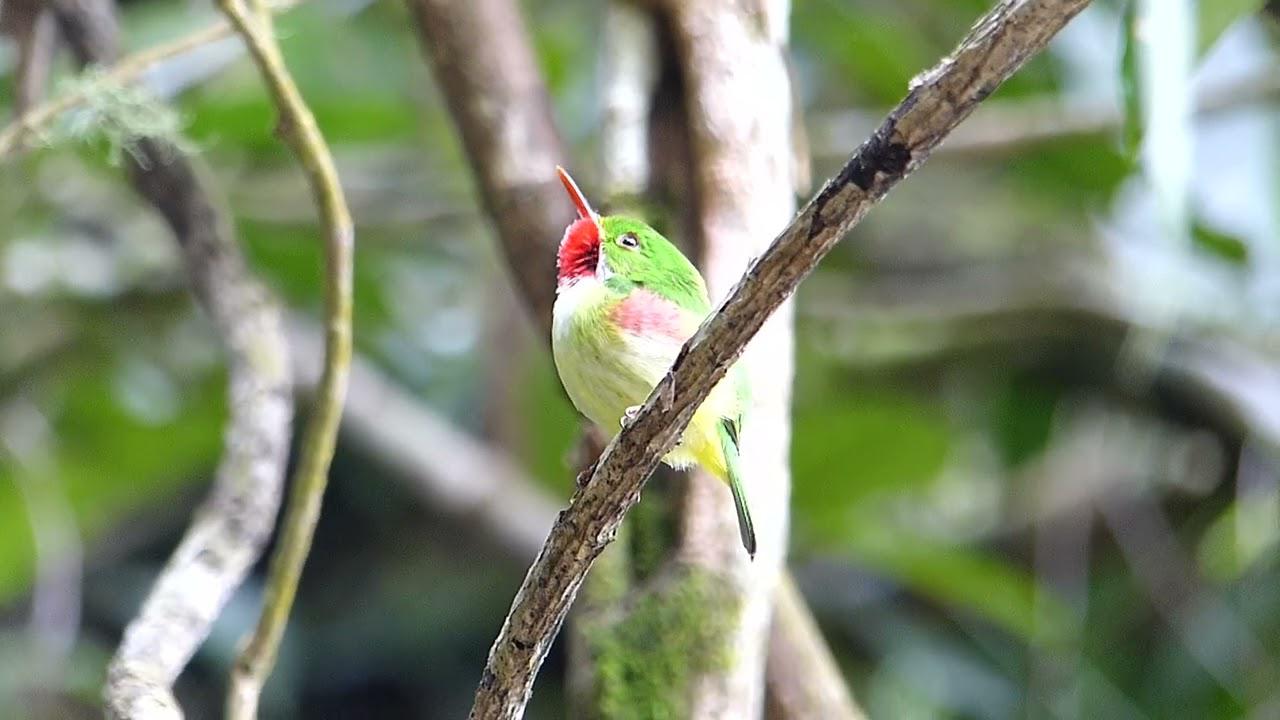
629, 415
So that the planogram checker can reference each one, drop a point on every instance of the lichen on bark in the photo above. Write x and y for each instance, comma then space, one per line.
672, 633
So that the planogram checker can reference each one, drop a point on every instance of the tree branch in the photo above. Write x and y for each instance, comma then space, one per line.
939, 99
482, 59
228, 531
802, 678
737, 107
297, 128
123, 72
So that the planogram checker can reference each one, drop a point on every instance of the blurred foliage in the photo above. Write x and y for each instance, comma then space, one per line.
944, 498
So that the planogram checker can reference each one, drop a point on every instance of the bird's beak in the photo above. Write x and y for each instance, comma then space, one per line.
579, 200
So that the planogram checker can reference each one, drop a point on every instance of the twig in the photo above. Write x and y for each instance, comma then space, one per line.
939, 99
297, 128
127, 70
227, 533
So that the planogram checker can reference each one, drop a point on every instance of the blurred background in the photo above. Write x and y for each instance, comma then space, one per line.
1037, 396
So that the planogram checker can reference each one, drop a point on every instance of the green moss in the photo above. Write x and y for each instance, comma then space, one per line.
115, 116
652, 525
646, 663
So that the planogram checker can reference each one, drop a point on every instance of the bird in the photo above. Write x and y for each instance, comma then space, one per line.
626, 301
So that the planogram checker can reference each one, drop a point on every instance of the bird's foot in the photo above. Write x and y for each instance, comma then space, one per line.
629, 415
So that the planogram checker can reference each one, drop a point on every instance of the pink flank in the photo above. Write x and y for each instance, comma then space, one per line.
647, 314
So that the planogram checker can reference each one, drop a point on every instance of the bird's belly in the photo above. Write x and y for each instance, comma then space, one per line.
606, 370
602, 377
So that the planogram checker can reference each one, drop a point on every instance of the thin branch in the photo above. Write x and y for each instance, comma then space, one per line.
14, 136
999, 44
297, 128
227, 533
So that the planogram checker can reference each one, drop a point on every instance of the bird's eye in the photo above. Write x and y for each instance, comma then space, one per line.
628, 240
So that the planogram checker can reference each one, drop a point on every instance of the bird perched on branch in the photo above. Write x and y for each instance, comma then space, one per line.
626, 301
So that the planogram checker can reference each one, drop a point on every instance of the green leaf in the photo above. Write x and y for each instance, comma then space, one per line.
892, 442
1217, 15
110, 462
1227, 247
972, 579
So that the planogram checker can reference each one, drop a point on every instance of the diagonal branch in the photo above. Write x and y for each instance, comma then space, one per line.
999, 44
297, 128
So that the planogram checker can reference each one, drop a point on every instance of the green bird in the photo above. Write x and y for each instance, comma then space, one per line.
626, 301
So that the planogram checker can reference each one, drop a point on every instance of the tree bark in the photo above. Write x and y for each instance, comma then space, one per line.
738, 100
227, 533
483, 61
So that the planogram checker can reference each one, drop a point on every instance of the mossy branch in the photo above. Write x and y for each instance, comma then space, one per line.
297, 128
1000, 43
39, 119
228, 531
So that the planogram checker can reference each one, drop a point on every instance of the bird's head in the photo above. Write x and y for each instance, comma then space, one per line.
614, 246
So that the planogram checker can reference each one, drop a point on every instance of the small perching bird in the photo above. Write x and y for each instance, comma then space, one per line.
626, 301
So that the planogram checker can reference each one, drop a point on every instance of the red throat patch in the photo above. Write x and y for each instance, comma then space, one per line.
579, 251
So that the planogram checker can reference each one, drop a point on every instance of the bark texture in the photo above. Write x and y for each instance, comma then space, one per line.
802, 678
738, 101
227, 533
938, 100
483, 60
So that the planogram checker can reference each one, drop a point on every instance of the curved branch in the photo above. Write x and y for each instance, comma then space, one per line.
939, 99
227, 533
297, 128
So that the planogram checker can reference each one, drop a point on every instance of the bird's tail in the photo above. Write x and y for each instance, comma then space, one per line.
729, 446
